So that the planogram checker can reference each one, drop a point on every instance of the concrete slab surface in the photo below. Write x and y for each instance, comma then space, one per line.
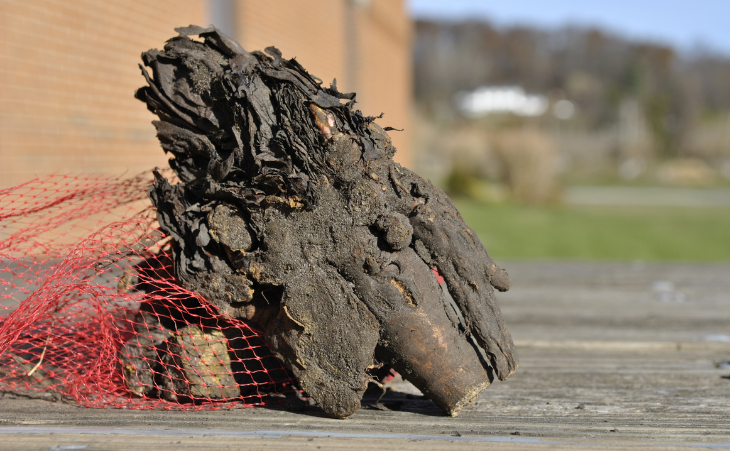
612, 355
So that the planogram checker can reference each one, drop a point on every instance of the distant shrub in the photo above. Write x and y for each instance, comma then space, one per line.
530, 163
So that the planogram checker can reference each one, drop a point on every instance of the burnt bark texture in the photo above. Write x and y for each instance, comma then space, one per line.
291, 212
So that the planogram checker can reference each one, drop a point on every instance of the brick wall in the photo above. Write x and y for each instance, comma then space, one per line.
68, 71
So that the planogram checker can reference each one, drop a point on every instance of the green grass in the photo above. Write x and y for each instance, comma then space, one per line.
600, 233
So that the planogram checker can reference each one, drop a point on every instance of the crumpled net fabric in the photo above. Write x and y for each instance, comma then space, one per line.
74, 253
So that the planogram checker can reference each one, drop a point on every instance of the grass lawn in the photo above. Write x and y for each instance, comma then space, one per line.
600, 233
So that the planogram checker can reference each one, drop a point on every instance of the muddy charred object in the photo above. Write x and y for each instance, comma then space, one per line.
291, 212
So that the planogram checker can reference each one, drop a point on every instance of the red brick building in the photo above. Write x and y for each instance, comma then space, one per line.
68, 71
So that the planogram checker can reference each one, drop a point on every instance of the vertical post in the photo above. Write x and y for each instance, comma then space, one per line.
222, 14
352, 43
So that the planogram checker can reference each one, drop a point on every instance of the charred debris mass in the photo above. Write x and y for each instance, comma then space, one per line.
290, 212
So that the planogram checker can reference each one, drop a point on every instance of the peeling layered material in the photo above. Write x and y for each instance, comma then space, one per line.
291, 213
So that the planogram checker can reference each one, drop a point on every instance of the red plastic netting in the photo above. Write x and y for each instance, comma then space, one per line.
90, 312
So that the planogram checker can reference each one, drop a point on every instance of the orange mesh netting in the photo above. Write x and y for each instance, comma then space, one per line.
90, 312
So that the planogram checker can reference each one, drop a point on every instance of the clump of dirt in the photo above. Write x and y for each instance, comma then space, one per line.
290, 212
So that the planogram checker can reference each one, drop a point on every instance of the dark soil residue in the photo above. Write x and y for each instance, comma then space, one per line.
290, 212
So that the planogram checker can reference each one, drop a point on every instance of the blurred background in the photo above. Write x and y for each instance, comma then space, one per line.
563, 129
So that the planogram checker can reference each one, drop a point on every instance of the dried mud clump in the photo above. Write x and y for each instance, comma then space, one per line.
290, 212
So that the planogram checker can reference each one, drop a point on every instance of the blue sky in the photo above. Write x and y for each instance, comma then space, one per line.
683, 24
